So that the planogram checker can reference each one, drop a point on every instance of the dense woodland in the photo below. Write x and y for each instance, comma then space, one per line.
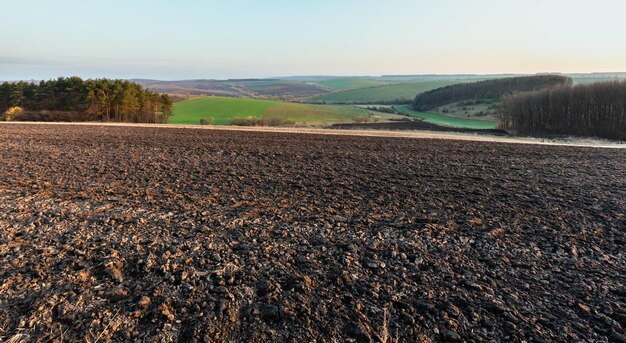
585, 110
85, 100
490, 89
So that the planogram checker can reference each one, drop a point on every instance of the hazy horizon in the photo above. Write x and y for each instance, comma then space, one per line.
246, 39
300, 77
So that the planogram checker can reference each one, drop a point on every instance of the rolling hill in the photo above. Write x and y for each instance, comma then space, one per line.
351, 83
386, 93
333, 89
222, 111
273, 89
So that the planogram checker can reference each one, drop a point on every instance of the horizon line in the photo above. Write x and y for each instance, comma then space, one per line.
327, 75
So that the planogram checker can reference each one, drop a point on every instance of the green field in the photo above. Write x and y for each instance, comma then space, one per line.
440, 119
223, 110
350, 83
406, 91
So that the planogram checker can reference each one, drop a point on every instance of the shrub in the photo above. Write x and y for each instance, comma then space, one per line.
12, 113
261, 122
206, 121
265, 121
361, 119
243, 121
274, 121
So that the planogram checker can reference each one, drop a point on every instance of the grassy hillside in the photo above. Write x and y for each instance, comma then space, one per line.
386, 93
224, 110
351, 83
440, 119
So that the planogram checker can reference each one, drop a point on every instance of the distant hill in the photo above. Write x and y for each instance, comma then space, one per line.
190, 87
273, 89
351, 83
335, 89
390, 92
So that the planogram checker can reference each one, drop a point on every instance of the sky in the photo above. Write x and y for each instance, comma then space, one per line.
193, 39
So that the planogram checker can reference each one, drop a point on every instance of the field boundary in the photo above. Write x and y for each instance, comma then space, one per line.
574, 142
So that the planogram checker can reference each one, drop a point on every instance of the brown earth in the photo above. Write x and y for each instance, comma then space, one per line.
412, 125
153, 234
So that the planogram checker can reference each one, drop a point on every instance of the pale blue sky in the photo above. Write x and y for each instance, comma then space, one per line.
262, 38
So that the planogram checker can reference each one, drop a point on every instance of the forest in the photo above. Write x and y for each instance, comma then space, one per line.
75, 99
593, 110
489, 89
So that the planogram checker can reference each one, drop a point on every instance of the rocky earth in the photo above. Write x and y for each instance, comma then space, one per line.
151, 234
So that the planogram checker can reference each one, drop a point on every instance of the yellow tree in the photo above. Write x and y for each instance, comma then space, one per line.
12, 112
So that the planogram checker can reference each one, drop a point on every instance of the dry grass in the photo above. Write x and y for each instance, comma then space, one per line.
19, 338
384, 335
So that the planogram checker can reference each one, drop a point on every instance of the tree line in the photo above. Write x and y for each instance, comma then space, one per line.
85, 100
489, 89
585, 110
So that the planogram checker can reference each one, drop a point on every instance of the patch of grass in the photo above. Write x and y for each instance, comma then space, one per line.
441, 119
221, 110
224, 110
314, 113
386, 93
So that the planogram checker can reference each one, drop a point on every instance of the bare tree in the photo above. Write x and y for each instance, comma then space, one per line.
584, 110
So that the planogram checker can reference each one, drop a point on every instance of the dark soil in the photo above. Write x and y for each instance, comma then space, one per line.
148, 234
412, 125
